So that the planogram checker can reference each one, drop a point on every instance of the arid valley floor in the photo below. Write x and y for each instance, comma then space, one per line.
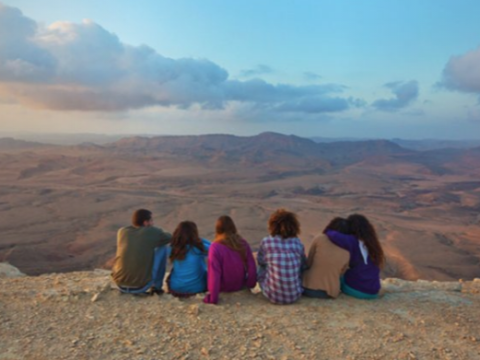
62, 205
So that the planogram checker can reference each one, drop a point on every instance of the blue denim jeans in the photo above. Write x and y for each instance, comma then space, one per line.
158, 273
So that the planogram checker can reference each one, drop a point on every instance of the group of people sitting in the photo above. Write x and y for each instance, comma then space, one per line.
346, 257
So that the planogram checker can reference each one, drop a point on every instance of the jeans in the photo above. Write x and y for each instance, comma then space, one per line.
319, 294
158, 273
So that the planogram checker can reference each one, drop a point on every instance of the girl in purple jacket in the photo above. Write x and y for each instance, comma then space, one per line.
231, 266
362, 279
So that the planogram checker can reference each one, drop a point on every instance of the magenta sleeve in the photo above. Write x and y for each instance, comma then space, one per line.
214, 276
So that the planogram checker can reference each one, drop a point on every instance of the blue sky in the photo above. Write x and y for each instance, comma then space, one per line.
388, 69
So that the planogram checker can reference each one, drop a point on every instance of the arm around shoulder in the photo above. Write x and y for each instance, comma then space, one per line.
344, 241
164, 238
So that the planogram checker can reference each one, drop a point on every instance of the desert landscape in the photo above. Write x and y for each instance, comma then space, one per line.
62, 205
198, 109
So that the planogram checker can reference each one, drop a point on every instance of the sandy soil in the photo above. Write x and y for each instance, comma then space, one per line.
80, 316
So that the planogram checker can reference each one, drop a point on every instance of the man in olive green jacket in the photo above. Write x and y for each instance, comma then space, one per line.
141, 258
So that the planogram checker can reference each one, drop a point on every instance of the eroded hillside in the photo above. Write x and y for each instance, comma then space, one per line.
61, 206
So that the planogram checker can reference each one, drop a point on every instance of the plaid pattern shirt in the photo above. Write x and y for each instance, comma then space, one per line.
280, 266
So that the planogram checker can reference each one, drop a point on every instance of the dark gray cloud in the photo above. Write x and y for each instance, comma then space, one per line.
260, 69
462, 73
311, 76
404, 93
69, 66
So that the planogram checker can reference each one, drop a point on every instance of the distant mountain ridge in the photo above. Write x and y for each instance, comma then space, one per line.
277, 151
8, 143
419, 145
268, 146
289, 151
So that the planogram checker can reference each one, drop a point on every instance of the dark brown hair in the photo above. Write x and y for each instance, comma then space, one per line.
226, 234
283, 223
140, 216
337, 224
184, 238
362, 229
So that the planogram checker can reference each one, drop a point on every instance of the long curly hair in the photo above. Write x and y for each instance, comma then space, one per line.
184, 238
226, 233
284, 223
362, 229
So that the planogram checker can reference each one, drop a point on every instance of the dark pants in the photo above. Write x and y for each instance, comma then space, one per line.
319, 294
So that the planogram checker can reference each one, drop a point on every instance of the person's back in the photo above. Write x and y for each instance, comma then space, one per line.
136, 250
363, 275
326, 263
282, 259
362, 279
228, 272
189, 275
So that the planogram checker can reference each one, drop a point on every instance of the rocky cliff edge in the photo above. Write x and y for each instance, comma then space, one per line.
80, 315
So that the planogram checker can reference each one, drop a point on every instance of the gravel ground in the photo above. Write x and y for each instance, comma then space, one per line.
80, 316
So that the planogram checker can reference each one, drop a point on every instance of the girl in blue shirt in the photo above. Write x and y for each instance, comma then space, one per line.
188, 253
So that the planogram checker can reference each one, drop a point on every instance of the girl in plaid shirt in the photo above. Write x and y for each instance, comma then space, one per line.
281, 259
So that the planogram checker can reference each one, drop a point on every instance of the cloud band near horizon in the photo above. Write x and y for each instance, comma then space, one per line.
83, 67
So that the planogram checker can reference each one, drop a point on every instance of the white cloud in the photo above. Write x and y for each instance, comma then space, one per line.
84, 67
462, 72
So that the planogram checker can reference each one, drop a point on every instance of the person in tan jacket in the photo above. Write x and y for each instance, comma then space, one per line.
326, 263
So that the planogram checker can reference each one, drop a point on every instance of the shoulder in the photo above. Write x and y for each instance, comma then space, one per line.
245, 243
265, 240
335, 234
206, 243
125, 230
271, 240
142, 230
216, 246
320, 239
292, 240
217, 249
297, 242
154, 229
